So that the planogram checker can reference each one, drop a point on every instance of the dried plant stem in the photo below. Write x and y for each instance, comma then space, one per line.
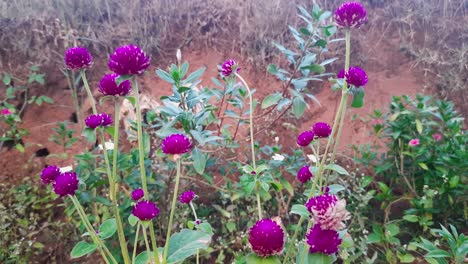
173, 204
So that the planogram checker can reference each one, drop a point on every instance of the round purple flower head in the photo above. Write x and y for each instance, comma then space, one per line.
305, 138
66, 184
176, 144
304, 174
229, 67
145, 210
78, 58
351, 15
93, 121
266, 238
108, 85
106, 120
128, 59
321, 203
49, 174
355, 76
187, 197
323, 241
137, 194
322, 130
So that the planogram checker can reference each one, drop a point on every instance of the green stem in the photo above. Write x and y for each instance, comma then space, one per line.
100, 245
88, 90
76, 104
120, 231
196, 219
292, 241
147, 244
252, 142
141, 156
171, 217
135, 244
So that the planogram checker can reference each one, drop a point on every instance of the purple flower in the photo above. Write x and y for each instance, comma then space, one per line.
414, 142
266, 238
229, 67
78, 58
328, 211
49, 174
323, 241
106, 119
145, 210
305, 138
137, 194
355, 76
187, 197
321, 203
322, 130
304, 174
351, 15
93, 121
6, 111
128, 59
66, 184
176, 144
108, 85
437, 137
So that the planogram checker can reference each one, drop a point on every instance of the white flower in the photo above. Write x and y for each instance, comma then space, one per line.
66, 169
278, 157
109, 146
312, 158
276, 140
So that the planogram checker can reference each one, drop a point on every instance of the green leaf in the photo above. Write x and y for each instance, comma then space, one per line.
271, 100
254, 259
6, 79
392, 230
133, 220
438, 253
300, 209
299, 106
131, 99
366, 181
231, 227
405, 258
423, 165
82, 248
199, 160
108, 228
317, 68
123, 78
89, 134
19, 147
454, 181
336, 188
316, 258
186, 243
411, 218
336, 168
373, 238
419, 126
165, 76
194, 76
272, 69
358, 99
143, 257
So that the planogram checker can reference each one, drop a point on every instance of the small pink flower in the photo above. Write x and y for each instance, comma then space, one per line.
437, 137
6, 111
414, 142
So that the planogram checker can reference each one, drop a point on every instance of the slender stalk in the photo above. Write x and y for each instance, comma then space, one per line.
120, 231
292, 241
100, 245
76, 104
196, 219
88, 90
252, 142
171, 216
135, 244
147, 244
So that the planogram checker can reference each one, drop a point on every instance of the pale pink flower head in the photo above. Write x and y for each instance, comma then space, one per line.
5, 111
414, 142
328, 211
437, 136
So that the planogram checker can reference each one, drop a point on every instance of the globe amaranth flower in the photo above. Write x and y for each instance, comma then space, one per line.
176, 144
414, 142
355, 76
305, 138
137, 194
187, 197
266, 238
323, 240
145, 210
66, 184
6, 111
229, 67
304, 174
321, 129
94, 121
328, 211
49, 174
108, 85
78, 58
437, 137
128, 59
351, 15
